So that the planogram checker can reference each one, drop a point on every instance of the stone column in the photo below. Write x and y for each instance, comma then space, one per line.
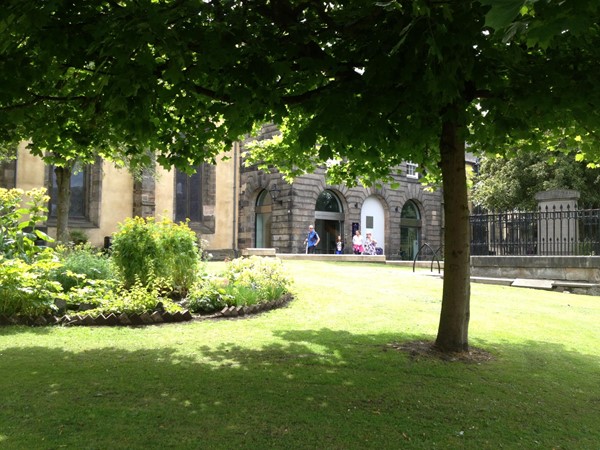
558, 232
144, 196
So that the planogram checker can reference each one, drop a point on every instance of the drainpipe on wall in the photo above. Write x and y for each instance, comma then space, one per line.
234, 242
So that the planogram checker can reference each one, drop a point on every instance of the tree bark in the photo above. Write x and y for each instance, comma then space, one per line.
453, 331
63, 202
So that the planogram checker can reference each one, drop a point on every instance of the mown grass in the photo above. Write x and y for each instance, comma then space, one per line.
319, 373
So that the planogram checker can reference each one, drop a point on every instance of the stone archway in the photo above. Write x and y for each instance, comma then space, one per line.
329, 220
263, 220
410, 230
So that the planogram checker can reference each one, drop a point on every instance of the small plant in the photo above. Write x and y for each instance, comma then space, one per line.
137, 299
78, 237
209, 294
26, 288
79, 264
245, 282
94, 293
20, 214
265, 275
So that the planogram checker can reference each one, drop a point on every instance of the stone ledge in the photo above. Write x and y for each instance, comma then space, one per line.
490, 280
533, 283
344, 258
259, 252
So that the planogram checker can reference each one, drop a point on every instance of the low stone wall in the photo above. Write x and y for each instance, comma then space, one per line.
353, 258
564, 268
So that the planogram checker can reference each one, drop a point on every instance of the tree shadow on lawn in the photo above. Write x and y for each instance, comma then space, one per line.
314, 389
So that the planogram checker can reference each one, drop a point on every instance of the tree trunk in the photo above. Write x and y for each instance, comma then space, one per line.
453, 331
63, 202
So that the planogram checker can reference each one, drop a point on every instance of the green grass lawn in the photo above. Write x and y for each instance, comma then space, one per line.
319, 373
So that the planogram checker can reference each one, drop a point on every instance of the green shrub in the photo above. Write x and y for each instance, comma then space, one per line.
91, 292
209, 294
265, 275
137, 299
26, 288
180, 252
135, 250
78, 237
79, 264
143, 248
20, 213
244, 282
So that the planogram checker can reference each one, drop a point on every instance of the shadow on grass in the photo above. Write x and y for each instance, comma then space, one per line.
312, 389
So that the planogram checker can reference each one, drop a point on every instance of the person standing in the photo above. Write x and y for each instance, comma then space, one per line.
312, 240
370, 245
357, 243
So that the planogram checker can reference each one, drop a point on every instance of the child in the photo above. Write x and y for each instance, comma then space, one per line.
339, 246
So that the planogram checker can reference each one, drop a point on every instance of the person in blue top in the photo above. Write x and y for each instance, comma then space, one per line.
312, 239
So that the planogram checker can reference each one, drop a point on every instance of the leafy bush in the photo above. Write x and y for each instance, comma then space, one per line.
244, 282
143, 248
18, 233
26, 288
79, 264
265, 275
180, 253
78, 237
91, 292
209, 294
137, 299
135, 250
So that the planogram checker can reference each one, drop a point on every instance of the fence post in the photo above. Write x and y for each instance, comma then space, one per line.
557, 228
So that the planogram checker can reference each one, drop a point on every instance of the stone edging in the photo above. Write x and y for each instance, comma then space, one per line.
155, 317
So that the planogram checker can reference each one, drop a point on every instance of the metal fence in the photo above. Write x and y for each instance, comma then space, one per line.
545, 232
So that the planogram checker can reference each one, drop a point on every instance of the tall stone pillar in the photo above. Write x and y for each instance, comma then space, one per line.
558, 232
144, 196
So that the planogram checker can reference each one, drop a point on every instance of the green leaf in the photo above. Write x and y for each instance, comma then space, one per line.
502, 12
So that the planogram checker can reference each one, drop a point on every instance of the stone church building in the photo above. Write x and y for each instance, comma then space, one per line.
233, 207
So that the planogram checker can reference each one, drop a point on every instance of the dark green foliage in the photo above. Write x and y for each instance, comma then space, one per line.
511, 183
79, 265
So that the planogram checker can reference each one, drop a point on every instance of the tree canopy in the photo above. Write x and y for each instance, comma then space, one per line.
364, 85
511, 183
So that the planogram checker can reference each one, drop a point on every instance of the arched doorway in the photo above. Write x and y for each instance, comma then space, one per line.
410, 230
264, 219
372, 220
329, 220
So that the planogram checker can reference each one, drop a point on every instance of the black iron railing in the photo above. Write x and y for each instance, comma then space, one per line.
549, 231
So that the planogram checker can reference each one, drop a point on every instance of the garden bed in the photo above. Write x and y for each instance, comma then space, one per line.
146, 318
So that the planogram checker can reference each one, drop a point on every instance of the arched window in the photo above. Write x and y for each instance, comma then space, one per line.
410, 230
195, 197
264, 219
329, 220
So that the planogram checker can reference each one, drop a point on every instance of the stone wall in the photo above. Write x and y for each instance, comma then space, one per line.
567, 268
